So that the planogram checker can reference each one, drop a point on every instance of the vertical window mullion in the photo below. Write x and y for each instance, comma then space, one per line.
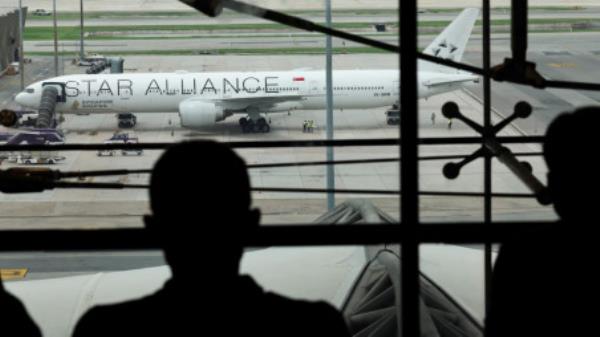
409, 173
487, 167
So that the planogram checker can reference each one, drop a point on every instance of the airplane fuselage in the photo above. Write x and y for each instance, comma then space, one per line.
163, 92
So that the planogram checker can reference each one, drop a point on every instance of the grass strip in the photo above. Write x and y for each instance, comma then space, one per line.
225, 51
72, 33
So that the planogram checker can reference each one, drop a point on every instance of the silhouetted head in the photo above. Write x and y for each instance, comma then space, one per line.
200, 201
570, 151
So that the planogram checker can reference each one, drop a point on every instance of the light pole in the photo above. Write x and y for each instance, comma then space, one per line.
329, 93
21, 30
55, 39
81, 52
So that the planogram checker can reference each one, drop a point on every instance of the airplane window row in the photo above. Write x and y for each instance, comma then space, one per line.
271, 89
359, 88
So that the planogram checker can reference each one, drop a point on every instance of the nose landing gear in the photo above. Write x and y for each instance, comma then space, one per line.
392, 116
126, 120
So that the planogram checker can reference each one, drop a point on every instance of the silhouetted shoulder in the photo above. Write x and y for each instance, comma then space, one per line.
520, 263
139, 317
241, 308
537, 280
15, 317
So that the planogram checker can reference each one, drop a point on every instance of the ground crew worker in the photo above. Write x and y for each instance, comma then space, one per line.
433, 118
449, 123
304, 126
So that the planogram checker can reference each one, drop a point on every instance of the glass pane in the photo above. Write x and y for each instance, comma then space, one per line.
83, 280
557, 45
453, 34
119, 208
186, 76
520, 209
363, 283
454, 291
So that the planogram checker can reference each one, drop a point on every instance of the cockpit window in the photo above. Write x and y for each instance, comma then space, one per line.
30, 90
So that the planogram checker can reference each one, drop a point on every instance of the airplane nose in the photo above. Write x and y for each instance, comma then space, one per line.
23, 98
20, 98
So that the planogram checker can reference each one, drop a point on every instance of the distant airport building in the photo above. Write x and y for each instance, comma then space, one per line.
9, 36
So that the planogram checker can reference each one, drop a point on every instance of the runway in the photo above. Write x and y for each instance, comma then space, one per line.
342, 15
173, 5
548, 44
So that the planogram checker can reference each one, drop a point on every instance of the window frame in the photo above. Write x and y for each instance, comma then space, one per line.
410, 232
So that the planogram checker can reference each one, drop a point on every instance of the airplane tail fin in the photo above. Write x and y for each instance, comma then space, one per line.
451, 43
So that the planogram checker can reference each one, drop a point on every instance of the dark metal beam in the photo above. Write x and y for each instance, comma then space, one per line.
519, 31
277, 144
487, 167
266, 236
409, 170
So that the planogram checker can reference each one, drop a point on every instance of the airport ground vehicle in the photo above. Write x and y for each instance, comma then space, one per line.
37, 157
34, 136
103, 153
121, 138
90, 59
41, 12
135, 152
392, 116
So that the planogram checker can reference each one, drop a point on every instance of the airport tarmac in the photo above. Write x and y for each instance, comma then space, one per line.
93, 209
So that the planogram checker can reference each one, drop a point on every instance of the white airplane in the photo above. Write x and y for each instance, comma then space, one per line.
202, 99
362, 282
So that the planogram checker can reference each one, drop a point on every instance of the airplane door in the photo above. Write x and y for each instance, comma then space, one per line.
313, 88
61, 91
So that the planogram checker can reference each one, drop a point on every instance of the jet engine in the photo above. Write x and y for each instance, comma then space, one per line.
9, 118
197, 114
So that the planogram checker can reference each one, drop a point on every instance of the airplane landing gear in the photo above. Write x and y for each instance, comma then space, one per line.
392, 116
126, 120
250, 125
262, 125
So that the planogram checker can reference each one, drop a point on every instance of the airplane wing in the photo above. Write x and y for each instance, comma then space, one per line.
196, 112
330, 270
334, 275
241, 102
445, 80
261, 99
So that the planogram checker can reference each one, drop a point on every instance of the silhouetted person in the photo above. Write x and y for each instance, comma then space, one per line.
545, 282
14, 319
201, 209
